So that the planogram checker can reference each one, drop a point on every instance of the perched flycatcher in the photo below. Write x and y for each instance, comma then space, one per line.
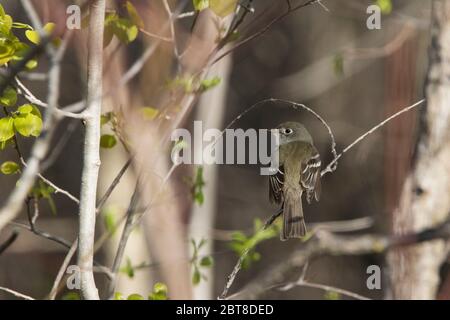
298, 173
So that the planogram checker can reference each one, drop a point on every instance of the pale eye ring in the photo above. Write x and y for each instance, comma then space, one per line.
288, 131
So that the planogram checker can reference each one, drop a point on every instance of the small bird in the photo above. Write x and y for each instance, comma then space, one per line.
298, 173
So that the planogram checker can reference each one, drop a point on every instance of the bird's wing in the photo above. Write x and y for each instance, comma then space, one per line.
276, 186
310, 177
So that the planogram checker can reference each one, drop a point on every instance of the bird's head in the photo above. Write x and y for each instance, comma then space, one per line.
293, 131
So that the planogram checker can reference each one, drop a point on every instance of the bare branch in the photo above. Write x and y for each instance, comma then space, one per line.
17, 294
332, 165
28, 95
303, 283
62, 270
8, 242
325, 243
91, 162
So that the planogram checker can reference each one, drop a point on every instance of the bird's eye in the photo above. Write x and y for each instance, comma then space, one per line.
288, 131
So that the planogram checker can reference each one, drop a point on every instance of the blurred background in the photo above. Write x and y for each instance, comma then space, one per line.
323, 56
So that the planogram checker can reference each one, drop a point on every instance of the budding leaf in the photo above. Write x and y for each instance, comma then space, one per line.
107, 141
9, 167
200, 5
28, 124
34, 36
385, 6
209, 84
206, 261
9, 97
134, 15
223, 8
6, 129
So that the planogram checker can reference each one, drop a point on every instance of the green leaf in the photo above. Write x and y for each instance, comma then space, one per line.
6, 53
106, 117
135, 296
108, 35
72, 295
109, 219
28, 124
51, 204
209, 84
150, 113
385, 6
25, 109
200, 5
128, 269
6, 24
107, 141
125, 30
6, 129
223, 8
159, 292
34, 36
197, 188
118, 296
9, 167
199, 197
332, 295
44, 191
160, 287
134, 15
9, 97
157, 296
196, 276
206, 261
31, 64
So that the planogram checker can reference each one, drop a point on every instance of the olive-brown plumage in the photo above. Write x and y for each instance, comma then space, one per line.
298, 173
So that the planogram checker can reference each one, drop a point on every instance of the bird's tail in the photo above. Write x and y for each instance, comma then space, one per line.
293, 220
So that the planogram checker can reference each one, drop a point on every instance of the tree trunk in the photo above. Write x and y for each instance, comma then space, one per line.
424, 201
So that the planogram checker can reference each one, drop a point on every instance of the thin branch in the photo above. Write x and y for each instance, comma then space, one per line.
133, 219
8, 242
153, 35
28, 95
54, 186
62, 270
172, 29
113, 185
186, 15
42, 234
303, 283
57, 149
129, 227
17, 294
265, 28
332, 165
238, 265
